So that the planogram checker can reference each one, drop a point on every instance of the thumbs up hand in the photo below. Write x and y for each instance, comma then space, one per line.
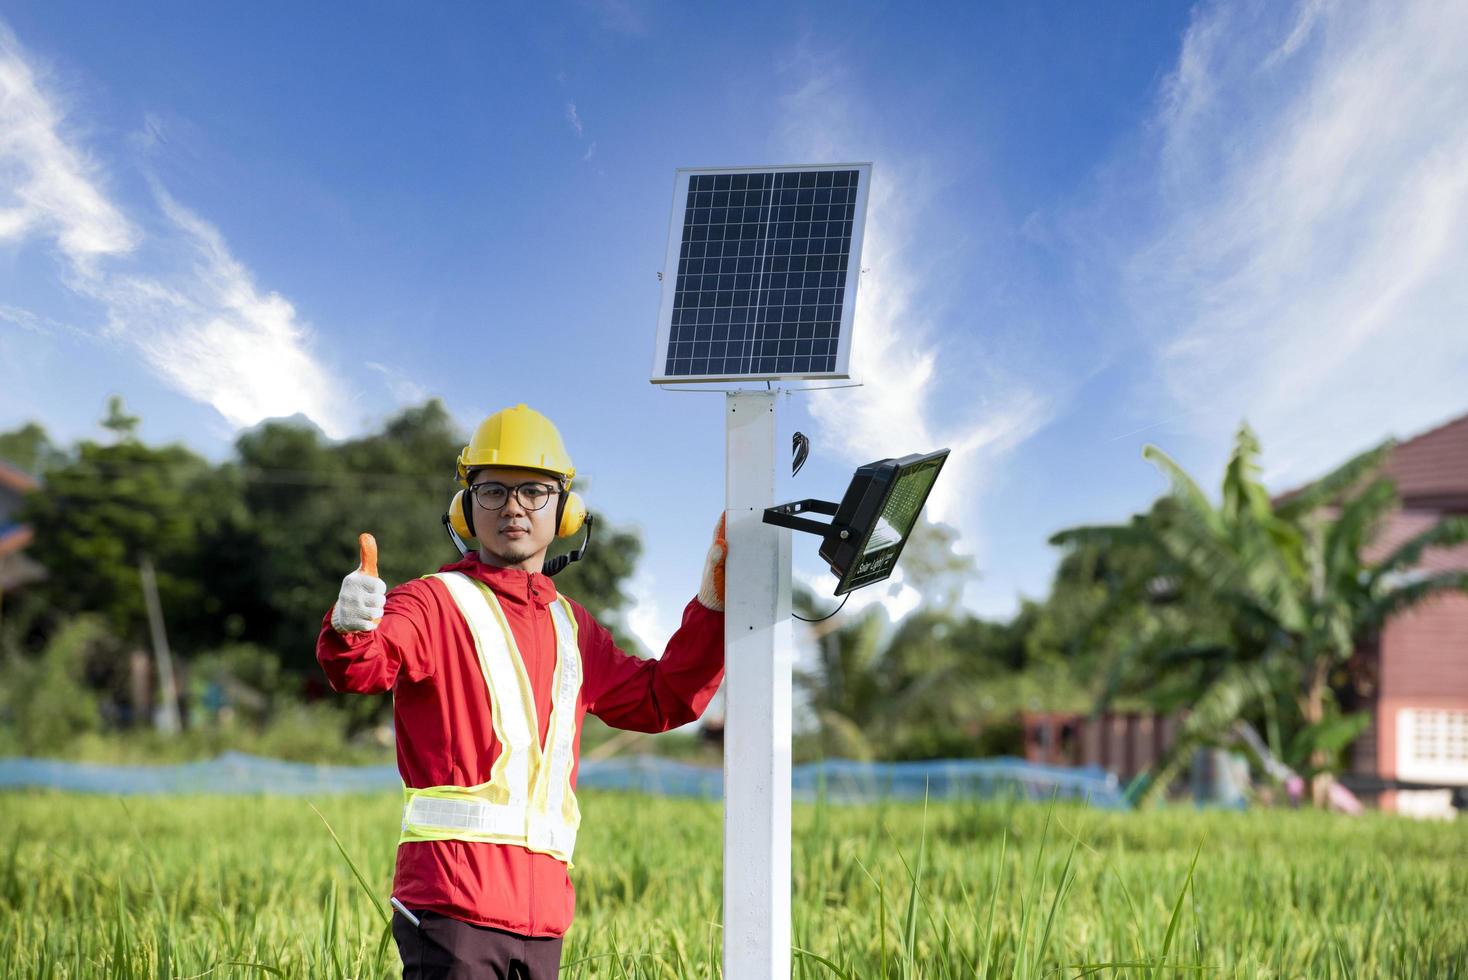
711, 589
363, 595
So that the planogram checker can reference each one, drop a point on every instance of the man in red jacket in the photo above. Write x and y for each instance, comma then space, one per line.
491, 672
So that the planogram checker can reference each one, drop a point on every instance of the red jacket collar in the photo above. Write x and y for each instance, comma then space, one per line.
508, 583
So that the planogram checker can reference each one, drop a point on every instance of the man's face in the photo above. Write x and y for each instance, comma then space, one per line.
515, 536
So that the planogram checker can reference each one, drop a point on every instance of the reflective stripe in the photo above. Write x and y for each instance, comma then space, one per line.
492, 640
479, 816
528, 799
562, 732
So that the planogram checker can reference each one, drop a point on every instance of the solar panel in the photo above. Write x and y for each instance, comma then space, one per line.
761, 274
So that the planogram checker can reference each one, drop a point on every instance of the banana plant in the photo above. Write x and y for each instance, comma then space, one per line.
1276, 596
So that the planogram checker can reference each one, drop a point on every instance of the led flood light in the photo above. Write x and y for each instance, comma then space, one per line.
873, 521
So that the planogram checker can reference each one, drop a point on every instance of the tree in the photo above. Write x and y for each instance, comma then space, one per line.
102, 509
1280, 595
118, 422
598, 580
28, 448
251, 551
919, 688
303, 501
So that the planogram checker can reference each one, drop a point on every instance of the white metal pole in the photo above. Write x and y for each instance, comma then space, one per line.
759, 655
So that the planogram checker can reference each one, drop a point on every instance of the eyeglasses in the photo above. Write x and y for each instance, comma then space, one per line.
532, 496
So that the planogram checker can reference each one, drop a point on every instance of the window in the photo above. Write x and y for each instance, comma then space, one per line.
1432, 745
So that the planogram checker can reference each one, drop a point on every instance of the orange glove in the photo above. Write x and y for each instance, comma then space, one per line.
711, 589
363, 596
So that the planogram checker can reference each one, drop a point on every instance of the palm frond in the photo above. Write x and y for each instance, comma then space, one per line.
1404, 597
1335, 483
1244, 497
1444, 534
1184, 490
1211, 718
1101, 536
1357, 524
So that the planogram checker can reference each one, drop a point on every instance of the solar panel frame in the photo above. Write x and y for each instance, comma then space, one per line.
838, 363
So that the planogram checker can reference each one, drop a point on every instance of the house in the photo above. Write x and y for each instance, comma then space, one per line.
15, 568
1413, 677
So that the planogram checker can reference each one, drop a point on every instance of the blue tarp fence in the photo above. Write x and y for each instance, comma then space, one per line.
840, 780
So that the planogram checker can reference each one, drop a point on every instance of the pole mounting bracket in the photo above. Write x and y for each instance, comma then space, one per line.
784, 515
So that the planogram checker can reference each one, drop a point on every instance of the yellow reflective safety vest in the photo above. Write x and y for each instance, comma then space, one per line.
528, 800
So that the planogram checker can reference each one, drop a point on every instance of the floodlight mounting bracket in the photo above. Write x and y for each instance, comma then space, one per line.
783, 515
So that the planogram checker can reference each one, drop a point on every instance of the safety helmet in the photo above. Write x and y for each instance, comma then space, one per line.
523, 439
518, 438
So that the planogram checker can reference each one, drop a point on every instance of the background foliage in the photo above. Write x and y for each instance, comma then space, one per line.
248, 552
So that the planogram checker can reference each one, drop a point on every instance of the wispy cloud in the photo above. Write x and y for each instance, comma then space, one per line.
210, 332
50, 188
618, 16
201, 323
32, 322
1310, 179
907, 402
902, 405
404, 389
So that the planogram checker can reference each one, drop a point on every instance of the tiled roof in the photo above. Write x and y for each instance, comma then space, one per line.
15, 537
1431, 470
1431, 473
17, 479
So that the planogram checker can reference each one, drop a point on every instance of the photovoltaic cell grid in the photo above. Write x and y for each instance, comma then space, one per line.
762, 273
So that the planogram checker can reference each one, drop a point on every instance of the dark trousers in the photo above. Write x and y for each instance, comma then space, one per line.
442, 948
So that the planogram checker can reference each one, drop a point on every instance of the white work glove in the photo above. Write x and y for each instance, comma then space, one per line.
711, 589
363, 597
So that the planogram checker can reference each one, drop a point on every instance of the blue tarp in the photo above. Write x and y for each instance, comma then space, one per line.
840, 780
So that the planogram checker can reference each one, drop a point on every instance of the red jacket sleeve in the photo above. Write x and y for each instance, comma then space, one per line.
369, 662
654, 695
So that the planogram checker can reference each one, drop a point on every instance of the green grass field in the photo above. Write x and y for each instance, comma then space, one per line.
250, 886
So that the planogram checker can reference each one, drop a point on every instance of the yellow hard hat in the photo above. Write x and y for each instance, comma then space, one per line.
520, 438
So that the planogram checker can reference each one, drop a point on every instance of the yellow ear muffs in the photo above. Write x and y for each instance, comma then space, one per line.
461, 515
572, 515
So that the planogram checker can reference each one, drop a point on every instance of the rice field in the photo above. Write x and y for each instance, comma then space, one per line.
259, 886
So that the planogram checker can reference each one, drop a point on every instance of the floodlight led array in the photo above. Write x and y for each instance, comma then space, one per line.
873, 521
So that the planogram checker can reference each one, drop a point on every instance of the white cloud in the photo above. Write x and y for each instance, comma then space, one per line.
32, 322
908, 402
49, 187
901, 407
574, 118
1307, 267
201, 323
211, 333
645, 617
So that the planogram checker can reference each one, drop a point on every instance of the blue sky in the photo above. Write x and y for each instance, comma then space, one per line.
1091, 227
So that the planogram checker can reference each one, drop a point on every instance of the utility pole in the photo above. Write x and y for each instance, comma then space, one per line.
166, 718
759, 652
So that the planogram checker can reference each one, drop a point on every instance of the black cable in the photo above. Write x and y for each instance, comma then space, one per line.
825, 617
